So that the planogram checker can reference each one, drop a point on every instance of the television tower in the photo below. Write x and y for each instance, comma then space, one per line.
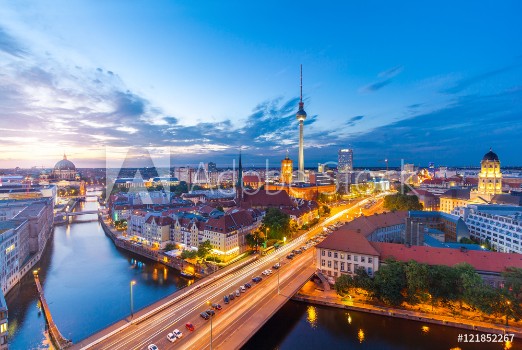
301, 116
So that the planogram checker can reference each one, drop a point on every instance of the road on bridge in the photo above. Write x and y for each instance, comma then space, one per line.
249, 307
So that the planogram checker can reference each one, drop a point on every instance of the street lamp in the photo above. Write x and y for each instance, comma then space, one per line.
284, 240
209, 303
507, 311
132, 283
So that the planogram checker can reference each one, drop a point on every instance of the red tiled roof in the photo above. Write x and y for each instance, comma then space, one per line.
230, 222
481, 261
348, 241
368, 224
160, 220
262, 198
252, 178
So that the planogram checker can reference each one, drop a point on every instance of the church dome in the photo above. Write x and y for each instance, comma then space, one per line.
64, 164
490, 156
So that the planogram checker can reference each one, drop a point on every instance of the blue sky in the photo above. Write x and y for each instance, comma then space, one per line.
435, 82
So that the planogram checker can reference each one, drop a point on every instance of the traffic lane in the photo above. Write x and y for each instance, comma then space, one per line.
249, 305
160, 336
160, 317
288, 246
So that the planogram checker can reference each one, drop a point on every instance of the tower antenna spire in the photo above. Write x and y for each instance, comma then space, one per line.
301, 83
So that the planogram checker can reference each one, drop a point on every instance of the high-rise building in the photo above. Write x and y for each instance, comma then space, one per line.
345, 160
301, 116
212, 167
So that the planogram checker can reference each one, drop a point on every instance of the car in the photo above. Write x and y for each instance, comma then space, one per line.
290, 256
204, 315
242, 289
298, 251
171, 337
177, 333
216, 306
276, 266
248, 285
210, 312
304, 248
226, 300
264, 273
269, 271
190, 326
256, 279
152, 347
237, 293
231, 296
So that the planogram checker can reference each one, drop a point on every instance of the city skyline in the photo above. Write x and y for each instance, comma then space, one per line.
201, 81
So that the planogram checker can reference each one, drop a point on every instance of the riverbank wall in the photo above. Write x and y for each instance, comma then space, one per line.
332, 300
157, 256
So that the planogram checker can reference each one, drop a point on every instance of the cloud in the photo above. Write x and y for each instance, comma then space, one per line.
9, 45
386, 78
467, 82
353, 120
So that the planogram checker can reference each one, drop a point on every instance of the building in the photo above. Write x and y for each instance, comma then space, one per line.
489, 265
345, 251
64, 170
287, 169
429, 201
301, 117
25, 228
490, 177
385, 227
253, 181
345, 160
227, 233
499, 225
442, 226
453, 198
3, 323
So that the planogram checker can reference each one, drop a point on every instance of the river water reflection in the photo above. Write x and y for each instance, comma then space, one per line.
86, 280
302, 326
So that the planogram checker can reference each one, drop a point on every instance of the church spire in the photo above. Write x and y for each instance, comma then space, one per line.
239, 185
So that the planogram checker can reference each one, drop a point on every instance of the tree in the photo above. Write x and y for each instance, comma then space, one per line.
169, 246
513, 278
443, 283
188, 254
324, 210
390, 281
402, 202
220, 208
362, 280
343, 284
253, 240
204, 249
277, 223
417, 282
469, 283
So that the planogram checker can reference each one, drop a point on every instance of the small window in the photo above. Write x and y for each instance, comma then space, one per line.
370, 260
355, 258
329, 264
348, 257
329, 254
363, 259
322, 252
335, 255
323, 262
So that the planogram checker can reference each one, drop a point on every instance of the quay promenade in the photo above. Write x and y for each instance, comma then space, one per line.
309, 294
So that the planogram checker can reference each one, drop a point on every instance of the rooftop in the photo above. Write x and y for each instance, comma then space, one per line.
348, 241
366, 225
480, 260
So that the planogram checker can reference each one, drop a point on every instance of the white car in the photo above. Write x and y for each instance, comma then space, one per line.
177, 333
152, 347
171, 337
242, 289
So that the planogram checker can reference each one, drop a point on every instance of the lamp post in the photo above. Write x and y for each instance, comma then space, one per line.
507, 312
208, 303
132, 283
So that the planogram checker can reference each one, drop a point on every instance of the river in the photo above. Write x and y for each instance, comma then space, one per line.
86, 280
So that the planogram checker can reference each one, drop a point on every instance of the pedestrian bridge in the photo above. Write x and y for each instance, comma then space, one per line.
76, 213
